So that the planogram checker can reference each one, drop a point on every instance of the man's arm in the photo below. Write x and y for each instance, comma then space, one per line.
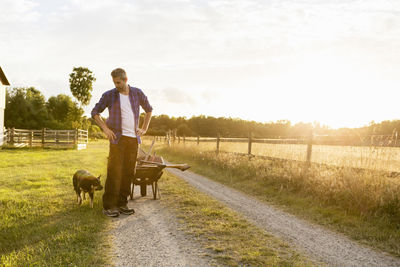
109, 133
145, 126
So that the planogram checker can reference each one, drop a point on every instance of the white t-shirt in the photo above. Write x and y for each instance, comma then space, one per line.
127, 117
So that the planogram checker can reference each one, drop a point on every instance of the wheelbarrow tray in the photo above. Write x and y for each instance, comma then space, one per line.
147, 175
149, 170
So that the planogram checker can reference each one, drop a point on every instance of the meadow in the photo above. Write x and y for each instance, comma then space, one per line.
362, 203
41, 223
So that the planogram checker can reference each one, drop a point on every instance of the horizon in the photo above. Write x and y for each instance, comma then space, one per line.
332, 62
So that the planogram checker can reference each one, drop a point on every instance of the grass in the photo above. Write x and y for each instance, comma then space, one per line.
41, 224
232, 240
364, 205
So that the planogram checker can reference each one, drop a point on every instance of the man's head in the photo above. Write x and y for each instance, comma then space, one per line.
119, 78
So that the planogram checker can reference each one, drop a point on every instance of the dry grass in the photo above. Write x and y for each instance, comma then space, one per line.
363, 203
231, 239
372, 157
361, 190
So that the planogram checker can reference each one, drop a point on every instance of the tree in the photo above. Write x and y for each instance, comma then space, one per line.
81, 84
65, 112
25, 108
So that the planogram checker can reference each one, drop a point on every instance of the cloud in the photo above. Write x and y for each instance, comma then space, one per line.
18, 11
178, 96
195, 53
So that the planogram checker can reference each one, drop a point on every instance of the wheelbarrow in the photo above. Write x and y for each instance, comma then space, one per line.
149, 170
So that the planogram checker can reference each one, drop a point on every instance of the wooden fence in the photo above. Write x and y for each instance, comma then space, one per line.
46, 138
309, 141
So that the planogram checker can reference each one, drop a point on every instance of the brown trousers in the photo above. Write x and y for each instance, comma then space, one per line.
121, 168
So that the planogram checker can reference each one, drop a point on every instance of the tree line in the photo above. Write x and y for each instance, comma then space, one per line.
27, 108
208, 126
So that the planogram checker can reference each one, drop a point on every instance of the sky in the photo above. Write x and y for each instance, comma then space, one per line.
333, 61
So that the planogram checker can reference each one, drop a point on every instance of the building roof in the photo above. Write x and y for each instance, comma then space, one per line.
3, 78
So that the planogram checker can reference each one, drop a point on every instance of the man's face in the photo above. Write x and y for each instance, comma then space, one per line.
120, 84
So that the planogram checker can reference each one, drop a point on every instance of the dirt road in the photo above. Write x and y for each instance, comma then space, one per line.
151, 237
317, 242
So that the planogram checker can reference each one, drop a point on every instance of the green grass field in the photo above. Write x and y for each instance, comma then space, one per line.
41, 224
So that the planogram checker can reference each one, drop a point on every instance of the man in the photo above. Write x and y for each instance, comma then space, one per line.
121, 128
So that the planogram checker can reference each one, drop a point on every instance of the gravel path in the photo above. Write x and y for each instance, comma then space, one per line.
151, 237
319, 243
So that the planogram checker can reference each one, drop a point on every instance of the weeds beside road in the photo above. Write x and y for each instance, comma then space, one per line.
232, 239
364, 205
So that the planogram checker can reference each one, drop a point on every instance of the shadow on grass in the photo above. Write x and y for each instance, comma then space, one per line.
77, 229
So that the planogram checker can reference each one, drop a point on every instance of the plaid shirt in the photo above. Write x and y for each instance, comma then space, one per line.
110, 100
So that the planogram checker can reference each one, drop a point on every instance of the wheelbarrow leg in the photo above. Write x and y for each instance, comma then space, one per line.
155, 190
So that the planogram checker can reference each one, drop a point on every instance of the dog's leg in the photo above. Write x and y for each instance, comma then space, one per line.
91, 199
79, 199
84, 195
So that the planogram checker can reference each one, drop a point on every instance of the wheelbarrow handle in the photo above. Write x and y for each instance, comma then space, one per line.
182, 167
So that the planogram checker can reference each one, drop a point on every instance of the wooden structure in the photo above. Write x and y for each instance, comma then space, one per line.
3, 83
47, 138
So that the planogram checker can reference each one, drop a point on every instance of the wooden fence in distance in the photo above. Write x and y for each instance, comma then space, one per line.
46, 138
309, 141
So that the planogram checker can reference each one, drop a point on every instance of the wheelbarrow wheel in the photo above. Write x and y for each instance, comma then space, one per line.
143, 190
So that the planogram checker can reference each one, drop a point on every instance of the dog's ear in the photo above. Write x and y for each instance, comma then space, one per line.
99, 177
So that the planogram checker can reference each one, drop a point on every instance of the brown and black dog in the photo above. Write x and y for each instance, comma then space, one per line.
87, 183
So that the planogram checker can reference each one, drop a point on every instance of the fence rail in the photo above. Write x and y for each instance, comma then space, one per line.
46, 138
369, 140
305, 146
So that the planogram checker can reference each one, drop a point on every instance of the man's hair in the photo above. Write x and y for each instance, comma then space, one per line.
120, 73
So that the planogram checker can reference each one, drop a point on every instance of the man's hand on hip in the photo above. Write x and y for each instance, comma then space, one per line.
140, 132
110, 134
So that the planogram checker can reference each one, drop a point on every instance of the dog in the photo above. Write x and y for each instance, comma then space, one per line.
85, 182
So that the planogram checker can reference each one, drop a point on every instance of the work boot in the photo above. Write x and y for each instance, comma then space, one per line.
111, 212
126, 210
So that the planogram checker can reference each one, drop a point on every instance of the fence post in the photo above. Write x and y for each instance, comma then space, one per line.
30, 138
12, 136
250, 141
198, 139
43, 133
179, 139
7, 137
184, 139
56, 137
309, 148
76, 137
218, 137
